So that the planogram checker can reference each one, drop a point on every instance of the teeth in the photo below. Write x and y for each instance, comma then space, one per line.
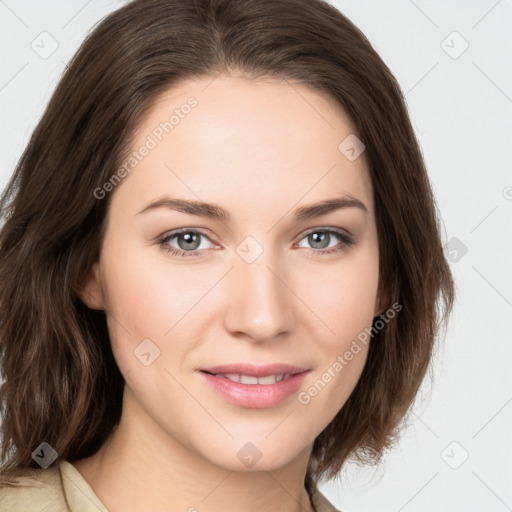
249, 379
231, 376
246, 379
269, 379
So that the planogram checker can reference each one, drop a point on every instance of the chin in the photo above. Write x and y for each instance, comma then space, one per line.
246, 455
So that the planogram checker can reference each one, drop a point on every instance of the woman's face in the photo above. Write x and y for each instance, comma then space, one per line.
256, 282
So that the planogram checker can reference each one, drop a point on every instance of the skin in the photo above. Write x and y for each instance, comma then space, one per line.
260, 149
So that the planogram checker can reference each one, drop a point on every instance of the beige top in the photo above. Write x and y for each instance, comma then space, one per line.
63, 489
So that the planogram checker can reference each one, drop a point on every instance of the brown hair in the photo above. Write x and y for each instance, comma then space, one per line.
62, 384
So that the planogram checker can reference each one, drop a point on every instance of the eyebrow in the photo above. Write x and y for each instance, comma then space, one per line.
216, 212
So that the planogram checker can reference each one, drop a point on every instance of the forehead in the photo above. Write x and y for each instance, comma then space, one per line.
259, 141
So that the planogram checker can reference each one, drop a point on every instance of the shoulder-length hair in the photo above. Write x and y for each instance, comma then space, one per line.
61, 382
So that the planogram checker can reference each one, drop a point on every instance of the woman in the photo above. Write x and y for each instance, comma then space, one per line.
222, 273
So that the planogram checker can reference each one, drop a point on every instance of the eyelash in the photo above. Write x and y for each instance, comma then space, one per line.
346, 242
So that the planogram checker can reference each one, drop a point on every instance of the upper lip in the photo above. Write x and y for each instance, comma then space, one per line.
254, 370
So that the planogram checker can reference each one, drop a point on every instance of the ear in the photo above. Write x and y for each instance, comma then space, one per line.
90, 291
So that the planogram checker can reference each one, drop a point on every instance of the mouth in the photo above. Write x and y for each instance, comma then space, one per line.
251, 380
251, 370
255, 387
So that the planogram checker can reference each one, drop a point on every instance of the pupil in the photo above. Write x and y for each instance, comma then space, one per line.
190, 238
321, 238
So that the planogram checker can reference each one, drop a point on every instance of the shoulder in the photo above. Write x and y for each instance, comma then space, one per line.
38, 490
322, 504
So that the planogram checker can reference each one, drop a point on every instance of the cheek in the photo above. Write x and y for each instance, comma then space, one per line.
138, 309
327, 391
147, 295
346, 310
151, 299
342, 297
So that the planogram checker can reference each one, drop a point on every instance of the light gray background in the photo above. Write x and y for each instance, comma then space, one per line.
461, 107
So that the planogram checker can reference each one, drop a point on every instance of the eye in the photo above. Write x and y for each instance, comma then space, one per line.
189, 242
320, 240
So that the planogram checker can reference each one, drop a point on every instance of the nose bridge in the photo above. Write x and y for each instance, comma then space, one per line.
260, 303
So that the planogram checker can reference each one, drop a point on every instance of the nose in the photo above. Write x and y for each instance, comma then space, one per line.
261, 304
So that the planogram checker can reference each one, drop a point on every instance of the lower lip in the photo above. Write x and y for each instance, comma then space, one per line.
255, 396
